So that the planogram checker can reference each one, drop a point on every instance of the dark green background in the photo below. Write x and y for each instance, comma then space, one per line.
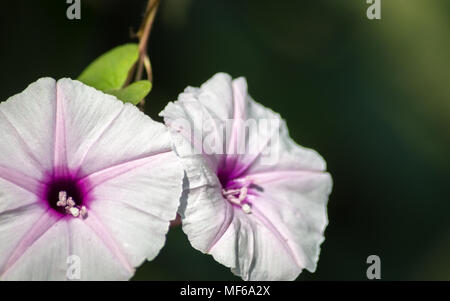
373, 97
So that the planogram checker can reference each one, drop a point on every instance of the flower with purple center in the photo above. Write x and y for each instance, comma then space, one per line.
255, 200
85, 176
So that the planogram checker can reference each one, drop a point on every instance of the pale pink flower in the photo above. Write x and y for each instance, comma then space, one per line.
264, 217
83, 176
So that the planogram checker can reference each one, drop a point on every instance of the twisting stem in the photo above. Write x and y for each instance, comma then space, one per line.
143, 36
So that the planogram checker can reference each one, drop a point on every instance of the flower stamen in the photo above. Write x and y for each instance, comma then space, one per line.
62, 202
71, 202
75, 212
83, 212
70, 205
238, 196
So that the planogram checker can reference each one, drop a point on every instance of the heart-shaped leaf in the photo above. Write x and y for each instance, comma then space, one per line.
110, 70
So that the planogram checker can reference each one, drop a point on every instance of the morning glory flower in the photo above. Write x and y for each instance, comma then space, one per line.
256, 200
88, 184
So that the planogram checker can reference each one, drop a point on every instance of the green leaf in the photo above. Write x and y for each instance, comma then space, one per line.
110, 70
133, 93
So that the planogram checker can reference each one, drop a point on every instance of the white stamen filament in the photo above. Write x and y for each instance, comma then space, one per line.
70, 206
230, 195
230, 192
243, 194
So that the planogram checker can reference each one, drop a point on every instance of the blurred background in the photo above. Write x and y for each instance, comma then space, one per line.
372, 96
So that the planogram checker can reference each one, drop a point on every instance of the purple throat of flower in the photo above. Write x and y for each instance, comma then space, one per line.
66, 195
237, 190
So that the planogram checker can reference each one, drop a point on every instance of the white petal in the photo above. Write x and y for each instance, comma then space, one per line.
215, 94
136, 207
103, 131
13, 228
67, 250
200, 116
27, 122
295, 204
253, 252
273, 148
100, 254
202, 207
37, 248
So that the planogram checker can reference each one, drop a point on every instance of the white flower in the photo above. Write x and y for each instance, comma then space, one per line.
81, 174
261, 212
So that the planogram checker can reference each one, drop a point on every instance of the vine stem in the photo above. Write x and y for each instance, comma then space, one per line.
143, 35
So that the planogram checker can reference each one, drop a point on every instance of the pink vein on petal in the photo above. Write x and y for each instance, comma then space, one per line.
60, 152
250, 162
96, 178
37, 230
229, 215
101, 134
19, 208
268, 224
96, 225
239, 116
20, 180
